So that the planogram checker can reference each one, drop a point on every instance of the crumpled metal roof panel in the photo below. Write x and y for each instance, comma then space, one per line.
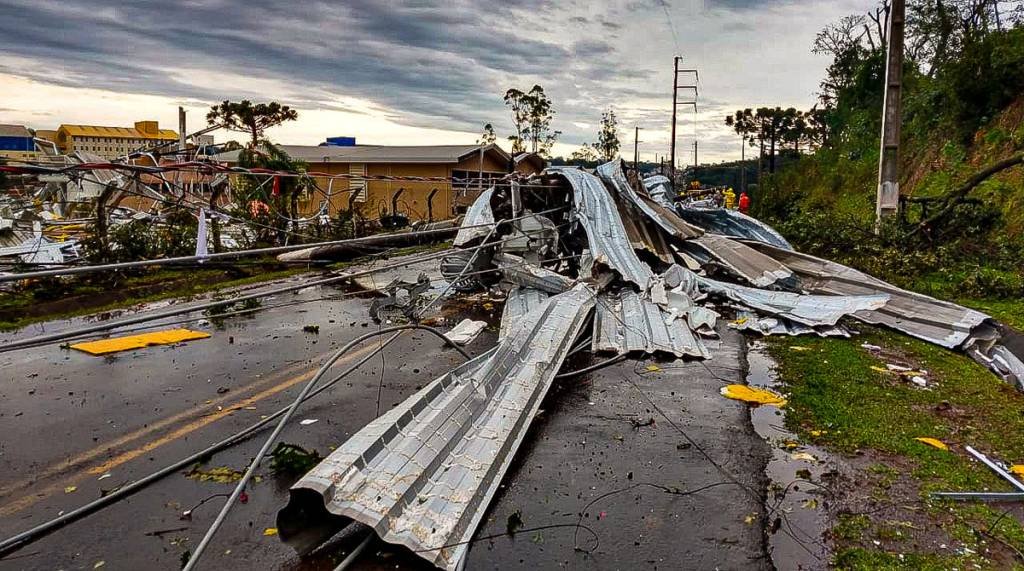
746, 262
733, 223
519, 302
629, 323
479, 219
423, 474
811, 310
921, 316
596, 211
669, 221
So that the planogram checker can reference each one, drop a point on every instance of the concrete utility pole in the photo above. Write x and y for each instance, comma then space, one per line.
636, 147
695, 162
675, 103
888, 202
181, 132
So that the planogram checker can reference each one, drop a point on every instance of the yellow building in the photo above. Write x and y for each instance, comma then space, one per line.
112, 142
469, 167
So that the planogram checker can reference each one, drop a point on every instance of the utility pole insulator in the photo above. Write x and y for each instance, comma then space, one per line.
888, 201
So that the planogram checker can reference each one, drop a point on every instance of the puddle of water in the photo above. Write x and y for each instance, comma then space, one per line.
796, 510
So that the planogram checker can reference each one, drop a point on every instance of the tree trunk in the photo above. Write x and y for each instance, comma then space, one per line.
957, 196
215, 195
771, 155
101, 223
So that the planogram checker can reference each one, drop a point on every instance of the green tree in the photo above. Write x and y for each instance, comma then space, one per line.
532, 113
245, 117
608, 144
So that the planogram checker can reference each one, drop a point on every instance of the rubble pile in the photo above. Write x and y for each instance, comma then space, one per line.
587, 259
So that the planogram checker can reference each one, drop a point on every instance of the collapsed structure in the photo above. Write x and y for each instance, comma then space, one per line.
587, 259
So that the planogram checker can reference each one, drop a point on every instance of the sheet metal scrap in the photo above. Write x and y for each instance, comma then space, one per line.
940, 322
660, 189
811, 310
597, 213
517, 271
733, 223
423, 474
520, 301
479, 220
613, 175
627, 323
746, 262
749, 321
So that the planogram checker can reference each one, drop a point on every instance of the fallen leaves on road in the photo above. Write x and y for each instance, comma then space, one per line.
219, 474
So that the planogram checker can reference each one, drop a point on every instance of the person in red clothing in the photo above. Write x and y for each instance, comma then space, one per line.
744, 202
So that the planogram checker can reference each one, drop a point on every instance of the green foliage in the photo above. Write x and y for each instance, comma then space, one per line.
245, 117
145, 240
532, 112
607, 145
291, 459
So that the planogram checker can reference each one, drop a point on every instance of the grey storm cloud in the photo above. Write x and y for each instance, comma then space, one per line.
428, 63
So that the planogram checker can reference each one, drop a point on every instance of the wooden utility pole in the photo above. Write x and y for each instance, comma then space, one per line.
888, 201
695, 161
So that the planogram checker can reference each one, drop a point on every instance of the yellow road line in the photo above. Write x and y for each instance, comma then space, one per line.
28, 500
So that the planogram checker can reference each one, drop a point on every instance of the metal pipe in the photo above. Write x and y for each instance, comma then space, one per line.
996, 468
980, 496
351, 557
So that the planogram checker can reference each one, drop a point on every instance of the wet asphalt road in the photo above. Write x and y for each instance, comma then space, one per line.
68, 419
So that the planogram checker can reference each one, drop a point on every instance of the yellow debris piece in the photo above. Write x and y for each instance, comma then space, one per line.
752, 395
933, 442
270, 531
880, 369
653, 368
1017, 469
115, 344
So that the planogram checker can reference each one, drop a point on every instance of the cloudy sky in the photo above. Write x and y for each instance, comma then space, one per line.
417, 72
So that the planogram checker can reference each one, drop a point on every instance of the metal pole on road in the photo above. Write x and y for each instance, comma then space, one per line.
888, 200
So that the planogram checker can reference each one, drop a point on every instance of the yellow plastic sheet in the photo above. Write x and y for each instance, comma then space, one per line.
753, 395
1017, 469
933, 442
115, 344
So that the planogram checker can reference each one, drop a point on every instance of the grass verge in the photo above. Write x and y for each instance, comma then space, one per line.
841, 397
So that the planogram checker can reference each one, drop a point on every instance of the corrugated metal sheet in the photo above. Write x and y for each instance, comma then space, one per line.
660, 189
669, 221
597, 213
520, 301
747, 263
733, 223
921, 316
749, 321
517, 271
812, 310
627, 323
479, 220
423, 474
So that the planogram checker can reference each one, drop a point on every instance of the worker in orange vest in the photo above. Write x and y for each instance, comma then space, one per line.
744, 202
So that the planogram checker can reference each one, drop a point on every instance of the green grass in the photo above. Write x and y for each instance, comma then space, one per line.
833, 389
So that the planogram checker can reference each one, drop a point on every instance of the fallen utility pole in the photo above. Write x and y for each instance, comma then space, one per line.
380, 239
888, 199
